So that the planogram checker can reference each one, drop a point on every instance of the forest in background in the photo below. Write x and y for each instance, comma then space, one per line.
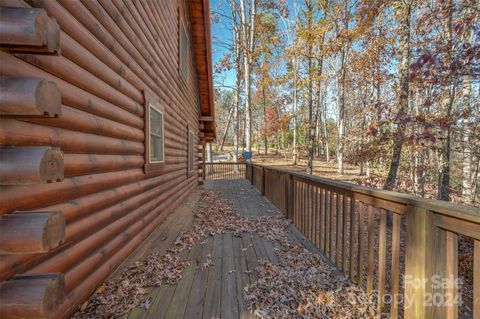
390, 86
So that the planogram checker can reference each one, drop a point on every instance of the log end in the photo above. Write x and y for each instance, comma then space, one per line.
29, 97
54, 231
52, 166
28, 30
31, 232
31, 296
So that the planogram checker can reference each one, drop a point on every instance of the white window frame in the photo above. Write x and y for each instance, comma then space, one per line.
150, 106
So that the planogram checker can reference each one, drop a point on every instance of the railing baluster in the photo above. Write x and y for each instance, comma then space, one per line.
322, 220
382, 249
304, 210
371, 249
312, 213
451, 306
310, 209
332, 198
300, 205
307, 211
299, 201
317, 216
344, 234
338, 243
395, 266
352, 237
361, 248
476, 279
327, 222
295, 202
297, 209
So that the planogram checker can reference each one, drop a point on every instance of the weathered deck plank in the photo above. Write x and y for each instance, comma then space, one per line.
197, 293
229, 303
211, 305
216, 291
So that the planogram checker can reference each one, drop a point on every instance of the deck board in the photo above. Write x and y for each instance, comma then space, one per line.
197, 292
216, 291
229, 303
211, 305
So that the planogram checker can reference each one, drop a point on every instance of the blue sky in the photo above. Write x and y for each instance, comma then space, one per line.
221, 32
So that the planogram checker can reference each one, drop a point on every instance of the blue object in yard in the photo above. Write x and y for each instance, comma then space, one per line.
247, 155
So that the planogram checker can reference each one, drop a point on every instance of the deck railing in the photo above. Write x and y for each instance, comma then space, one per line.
402, 247
225, 170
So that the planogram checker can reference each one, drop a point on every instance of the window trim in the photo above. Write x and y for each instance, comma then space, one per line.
151, 102
150, 106
182, 28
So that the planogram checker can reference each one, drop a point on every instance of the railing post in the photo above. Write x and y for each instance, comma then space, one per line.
425, 264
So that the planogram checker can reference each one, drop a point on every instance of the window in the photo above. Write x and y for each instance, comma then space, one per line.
154, 134
184, 51
191, 151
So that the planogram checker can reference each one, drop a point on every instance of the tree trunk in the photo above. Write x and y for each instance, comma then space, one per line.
224, 135
467, 154
318, 142
342, 89
341, 116
265, 138
444, 187
295, 124
311, 120
238, 83
325, 133
248, 35
235, 127
467, 182
404, 93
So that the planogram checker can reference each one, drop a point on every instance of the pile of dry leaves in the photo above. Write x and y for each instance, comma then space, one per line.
116, 297
302, 284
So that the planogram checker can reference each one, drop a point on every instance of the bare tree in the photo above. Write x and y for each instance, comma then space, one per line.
404, 8
248, 43
448, 103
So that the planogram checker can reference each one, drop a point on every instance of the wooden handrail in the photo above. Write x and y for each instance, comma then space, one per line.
464, 212
345, 220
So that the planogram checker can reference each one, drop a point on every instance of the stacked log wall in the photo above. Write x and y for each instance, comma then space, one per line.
111, 52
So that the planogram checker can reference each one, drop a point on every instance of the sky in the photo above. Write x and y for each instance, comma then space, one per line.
221, 35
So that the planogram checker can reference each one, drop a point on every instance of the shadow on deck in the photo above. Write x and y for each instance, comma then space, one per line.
215, 292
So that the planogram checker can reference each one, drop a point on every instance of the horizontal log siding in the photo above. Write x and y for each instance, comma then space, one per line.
110, 53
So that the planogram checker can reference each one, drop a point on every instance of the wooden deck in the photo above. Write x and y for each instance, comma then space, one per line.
215, 292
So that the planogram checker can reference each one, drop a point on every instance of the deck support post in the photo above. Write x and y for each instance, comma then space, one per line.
424, 265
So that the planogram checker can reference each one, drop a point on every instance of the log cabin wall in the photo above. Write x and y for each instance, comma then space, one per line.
111, 55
